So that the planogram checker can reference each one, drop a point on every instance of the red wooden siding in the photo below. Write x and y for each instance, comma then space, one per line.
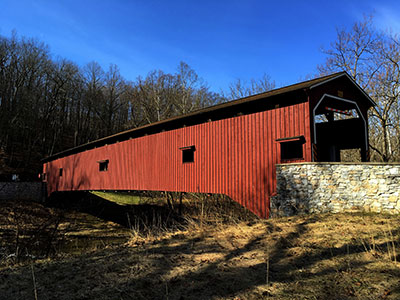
234, 156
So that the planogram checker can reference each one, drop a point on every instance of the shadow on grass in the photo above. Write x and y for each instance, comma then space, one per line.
138, 217
200, 266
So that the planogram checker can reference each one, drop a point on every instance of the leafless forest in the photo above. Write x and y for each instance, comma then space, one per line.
49, 104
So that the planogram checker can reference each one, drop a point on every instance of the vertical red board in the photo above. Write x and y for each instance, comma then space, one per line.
234, 156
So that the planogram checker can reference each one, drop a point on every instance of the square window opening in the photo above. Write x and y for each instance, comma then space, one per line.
188, 154
103, 165
291, 150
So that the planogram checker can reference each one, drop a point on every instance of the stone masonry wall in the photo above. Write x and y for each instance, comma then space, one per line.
336, 187
21, 190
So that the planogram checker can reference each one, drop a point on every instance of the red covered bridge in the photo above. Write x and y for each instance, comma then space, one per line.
231, 148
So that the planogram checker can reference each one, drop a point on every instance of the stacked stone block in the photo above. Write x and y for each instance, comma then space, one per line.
336, 187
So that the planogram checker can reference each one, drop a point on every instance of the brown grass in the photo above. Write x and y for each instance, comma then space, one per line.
342, 256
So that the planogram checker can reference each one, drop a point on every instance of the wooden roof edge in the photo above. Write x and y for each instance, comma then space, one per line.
344, 73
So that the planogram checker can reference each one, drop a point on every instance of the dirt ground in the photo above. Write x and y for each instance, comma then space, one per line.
342, 256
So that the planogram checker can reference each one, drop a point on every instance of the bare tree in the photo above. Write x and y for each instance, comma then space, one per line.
385, 89
240, 89
48, 105
372, 59
191, 91
160, 95
111, 112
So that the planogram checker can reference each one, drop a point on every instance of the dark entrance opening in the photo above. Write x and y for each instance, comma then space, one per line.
338, 125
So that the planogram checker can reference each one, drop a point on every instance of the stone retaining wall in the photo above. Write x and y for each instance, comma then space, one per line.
21, 190
336, 187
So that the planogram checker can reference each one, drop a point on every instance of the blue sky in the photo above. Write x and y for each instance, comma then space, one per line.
220, 40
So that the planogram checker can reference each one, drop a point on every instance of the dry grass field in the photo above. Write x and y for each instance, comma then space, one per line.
92, 253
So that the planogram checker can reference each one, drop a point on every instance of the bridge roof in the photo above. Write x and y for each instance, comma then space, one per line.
244, 105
